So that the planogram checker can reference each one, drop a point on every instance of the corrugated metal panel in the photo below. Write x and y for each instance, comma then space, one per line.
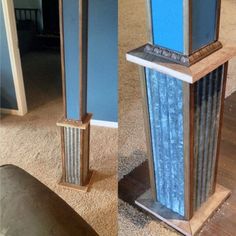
207, 95
72, 155
165, 104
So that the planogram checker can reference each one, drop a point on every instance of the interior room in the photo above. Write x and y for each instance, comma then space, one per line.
33, 102
133, 167
37, 24
117, 117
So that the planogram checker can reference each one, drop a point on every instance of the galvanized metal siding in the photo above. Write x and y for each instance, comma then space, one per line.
207, 94
165, 105
72, 155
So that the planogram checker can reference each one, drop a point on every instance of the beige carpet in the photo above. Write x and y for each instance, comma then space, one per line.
132, 149
33, 143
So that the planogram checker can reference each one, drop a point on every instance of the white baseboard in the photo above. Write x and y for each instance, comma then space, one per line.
102, 123
10, 111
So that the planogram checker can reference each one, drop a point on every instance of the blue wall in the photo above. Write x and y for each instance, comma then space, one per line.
167, 22
102, 59
8, 96
203, 22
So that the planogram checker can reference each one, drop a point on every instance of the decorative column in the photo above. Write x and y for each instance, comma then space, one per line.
75, 125
183, 77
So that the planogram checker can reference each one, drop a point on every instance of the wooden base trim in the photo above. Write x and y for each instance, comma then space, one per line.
188, 228
81, 124
80, 188
188, 74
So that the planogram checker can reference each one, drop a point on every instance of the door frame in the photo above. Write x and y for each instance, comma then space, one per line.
14, 52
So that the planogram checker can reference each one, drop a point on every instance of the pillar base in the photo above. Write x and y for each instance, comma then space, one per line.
80, 188
75, 139
193, 226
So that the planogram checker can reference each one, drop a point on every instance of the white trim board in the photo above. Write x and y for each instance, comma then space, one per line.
12, 40
102, 123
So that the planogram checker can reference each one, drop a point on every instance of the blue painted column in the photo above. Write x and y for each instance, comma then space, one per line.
184, 27
183, 88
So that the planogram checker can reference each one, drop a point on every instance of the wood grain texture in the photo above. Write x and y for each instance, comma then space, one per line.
193, 226
218, 19
220, 124
74, 123
84, 127
84, 188
83, 55
188, 74
62, 50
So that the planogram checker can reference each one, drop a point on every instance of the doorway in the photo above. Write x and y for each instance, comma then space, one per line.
37, 23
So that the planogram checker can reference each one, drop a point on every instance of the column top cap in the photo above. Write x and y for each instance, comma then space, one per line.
188, 74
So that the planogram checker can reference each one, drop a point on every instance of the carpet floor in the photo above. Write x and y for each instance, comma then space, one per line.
131, 142
32, 142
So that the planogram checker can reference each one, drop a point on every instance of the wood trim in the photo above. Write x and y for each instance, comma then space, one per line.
61, 16
79, 188
191, 184
220, 125
148, 133
12, 40
82, 156
186, 227
74, 123
188, 74
218, 19
187, 26
149, 21
63, 154
190, 27
83, 51
87, 151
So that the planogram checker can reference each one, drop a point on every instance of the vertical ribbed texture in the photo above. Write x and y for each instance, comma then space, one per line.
72, 155
207, 97
165, 105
